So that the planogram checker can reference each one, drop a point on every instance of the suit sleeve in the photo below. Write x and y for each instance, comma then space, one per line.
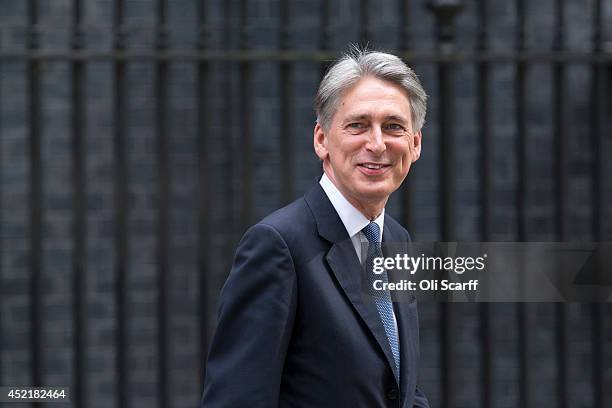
256, 313
420, 400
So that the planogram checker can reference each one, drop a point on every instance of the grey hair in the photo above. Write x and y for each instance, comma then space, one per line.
358, 64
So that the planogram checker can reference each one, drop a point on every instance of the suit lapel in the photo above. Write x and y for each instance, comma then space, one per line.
406, 318
346, 268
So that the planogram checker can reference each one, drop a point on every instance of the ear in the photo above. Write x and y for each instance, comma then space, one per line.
320, 142
416, 140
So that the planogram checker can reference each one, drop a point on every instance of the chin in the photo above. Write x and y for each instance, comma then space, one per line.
373, 193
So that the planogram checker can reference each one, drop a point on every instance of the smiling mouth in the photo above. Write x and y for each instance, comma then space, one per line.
374, 169
373, 166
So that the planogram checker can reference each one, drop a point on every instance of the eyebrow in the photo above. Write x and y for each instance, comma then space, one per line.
368, 117
356, 117
396, 118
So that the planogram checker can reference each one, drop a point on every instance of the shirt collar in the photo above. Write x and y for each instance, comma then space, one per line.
354, 221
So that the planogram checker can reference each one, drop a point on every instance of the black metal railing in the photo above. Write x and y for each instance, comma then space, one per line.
445, 58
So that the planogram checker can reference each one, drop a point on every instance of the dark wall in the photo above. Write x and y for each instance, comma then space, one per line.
101, 299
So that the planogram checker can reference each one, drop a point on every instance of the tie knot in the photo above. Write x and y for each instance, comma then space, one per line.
372, 232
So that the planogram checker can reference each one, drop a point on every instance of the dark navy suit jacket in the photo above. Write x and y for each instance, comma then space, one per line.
294, 329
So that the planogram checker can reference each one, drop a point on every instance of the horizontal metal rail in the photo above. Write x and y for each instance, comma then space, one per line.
532, 57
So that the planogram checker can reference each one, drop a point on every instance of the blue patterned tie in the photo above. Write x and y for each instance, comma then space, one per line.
381, 298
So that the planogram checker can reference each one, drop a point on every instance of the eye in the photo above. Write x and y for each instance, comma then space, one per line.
394, 127
356, 127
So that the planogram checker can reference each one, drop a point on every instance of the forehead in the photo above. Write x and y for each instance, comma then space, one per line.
374, 97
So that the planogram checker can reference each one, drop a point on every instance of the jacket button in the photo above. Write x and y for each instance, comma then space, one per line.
392, 393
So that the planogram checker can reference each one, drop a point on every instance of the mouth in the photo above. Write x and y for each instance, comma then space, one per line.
373, 169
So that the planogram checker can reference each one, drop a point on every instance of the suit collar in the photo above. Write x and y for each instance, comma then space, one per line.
329, 223
352, 219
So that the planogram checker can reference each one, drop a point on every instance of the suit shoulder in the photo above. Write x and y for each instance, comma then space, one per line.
290, 221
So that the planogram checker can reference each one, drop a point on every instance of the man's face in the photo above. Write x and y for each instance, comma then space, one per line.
369, 146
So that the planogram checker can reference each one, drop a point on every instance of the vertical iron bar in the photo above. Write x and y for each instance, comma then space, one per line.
601, 395
203, 125
445, 12
36, 197
324, 45
447, 221
246, 142
286, 136
485, 129
163, 177
365, 29
485, 136
324, 37
447, 353
524, 324
231, 166
559, 126
404, 20
561, 188
231, 169
1, 234
600, 399
79, 234
404, 44
563, 382
521, 124
121, 208
446, 143
523, 320
597, 124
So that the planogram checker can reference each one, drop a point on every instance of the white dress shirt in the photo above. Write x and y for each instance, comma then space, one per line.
354, 221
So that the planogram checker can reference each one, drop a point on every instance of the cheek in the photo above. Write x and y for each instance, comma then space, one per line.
401, 148
348, 149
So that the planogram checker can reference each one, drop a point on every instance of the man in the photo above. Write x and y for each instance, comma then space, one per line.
294, 327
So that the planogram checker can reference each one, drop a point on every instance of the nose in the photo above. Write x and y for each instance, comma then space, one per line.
376, 143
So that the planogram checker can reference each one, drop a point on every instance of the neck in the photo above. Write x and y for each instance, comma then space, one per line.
370, 212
